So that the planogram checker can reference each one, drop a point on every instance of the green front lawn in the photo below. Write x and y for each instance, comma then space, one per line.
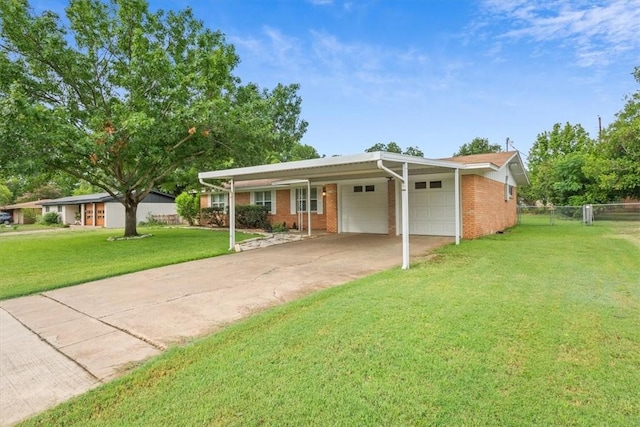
42, 261
538, 326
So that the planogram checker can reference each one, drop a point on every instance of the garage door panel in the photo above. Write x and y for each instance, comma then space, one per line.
365, 211
432, 210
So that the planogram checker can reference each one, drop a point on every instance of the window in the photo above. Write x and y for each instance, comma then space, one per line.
219, 200
435, 184
357, 189
508, 192
370, 188
421, 185
47, 209
263, 198
60, 208
301, 199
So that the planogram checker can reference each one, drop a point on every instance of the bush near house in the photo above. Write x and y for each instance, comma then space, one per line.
51, 218
188, 206
247, 216
213, 216
252, 216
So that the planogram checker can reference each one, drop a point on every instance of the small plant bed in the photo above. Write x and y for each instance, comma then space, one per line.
120, 238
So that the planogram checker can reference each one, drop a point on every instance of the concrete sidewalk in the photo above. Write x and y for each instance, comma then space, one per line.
61, 343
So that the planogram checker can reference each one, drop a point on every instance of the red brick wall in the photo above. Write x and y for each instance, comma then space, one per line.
391, 206
243, 198
283, 209
283, 213
331, 208
484, 210
204, 201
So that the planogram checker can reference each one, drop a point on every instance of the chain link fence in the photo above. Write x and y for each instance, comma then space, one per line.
587, 214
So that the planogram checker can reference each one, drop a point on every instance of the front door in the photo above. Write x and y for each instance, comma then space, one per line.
100, 214
88, 214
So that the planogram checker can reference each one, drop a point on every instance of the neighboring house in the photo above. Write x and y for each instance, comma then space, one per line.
102, 210
25, 213
462, 197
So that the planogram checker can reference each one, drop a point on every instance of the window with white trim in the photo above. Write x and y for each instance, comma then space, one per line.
262, 198
301, 199
219, 200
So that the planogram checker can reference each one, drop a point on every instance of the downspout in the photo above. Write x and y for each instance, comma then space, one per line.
309, 207
232, 209
404, 180
457, 204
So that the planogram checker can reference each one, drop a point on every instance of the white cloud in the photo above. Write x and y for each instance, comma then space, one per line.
596, 31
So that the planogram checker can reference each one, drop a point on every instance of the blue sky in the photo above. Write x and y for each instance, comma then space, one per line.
435, 74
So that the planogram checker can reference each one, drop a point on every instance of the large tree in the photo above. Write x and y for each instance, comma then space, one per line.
557, 162
477, 146
393, 147
617, 166
120, 97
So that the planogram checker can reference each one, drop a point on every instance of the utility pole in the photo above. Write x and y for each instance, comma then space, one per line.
599, 127
507, 145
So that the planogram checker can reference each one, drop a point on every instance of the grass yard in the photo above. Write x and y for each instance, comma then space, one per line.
42, 261
25, 227
539, 326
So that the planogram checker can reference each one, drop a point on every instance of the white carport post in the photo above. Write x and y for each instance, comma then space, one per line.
309, 208
232, 209
405, 216
300, 181
457, 204
232, 215
405, 208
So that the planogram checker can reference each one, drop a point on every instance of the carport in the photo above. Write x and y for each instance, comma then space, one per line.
366, 165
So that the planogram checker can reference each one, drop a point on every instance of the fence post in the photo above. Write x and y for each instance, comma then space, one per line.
587, 214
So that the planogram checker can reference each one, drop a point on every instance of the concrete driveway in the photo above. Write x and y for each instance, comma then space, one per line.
61, 343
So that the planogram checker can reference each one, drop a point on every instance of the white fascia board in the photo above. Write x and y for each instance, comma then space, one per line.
251, 171
519, 165
472, 166
413, 160
287, 166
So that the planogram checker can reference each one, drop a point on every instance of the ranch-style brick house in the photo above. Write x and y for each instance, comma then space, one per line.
102, 210
386, 193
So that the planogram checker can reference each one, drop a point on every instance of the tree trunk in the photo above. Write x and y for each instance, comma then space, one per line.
130, 219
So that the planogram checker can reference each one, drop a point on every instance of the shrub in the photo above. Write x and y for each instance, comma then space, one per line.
214, 216
151, 221
51, 218
188, 206
252, 216
30, 216
279, 228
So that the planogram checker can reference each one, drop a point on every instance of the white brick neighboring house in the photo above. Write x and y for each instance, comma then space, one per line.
102, 210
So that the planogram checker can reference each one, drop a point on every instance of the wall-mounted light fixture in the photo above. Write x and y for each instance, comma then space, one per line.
324, 191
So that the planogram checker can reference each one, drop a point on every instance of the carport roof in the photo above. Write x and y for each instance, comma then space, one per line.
364, 165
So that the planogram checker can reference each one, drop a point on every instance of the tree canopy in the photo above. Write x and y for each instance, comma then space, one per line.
477, 146
121, 97
557, 162
618, 166
393, 147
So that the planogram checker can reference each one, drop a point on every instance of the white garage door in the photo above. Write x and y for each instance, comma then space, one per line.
432, 207
363, 208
